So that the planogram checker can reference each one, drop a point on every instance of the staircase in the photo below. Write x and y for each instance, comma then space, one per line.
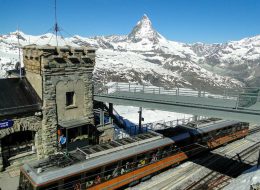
117, 119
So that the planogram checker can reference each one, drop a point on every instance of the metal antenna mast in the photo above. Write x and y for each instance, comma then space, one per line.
56, 27
19, 52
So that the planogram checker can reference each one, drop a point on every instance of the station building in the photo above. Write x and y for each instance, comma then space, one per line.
52, 101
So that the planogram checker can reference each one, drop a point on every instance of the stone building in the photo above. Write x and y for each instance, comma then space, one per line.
53, 100
20, 121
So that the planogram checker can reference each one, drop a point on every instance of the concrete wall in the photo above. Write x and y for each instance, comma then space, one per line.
36, 82
74, 111
32, 63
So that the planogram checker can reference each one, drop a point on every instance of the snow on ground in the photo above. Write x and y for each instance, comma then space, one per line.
131, 113
249, 179
120, 133
130, 116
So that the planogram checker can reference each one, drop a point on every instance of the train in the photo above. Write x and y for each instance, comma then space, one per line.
125, 162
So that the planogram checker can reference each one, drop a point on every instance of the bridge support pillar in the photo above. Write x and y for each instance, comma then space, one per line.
195, 118
102, 118
140, 119
110, 108
110, 111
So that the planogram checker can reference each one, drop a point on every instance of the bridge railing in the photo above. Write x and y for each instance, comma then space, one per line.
135, 88
244, 97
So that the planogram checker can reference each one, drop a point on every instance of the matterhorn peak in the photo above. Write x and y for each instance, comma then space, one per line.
146, 19
144, 30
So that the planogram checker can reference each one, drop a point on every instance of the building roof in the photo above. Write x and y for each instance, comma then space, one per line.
16, 72
212, 126
17, 96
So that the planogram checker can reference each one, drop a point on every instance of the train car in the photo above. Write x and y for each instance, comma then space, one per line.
225, 132
122, 164
217, 132
127, 161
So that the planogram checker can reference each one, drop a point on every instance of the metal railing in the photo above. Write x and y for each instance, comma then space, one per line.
244, 97
162, 124
157, 125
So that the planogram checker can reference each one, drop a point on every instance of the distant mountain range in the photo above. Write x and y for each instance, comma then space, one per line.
146, 57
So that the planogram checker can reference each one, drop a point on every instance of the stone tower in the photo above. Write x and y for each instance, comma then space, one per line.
62, 78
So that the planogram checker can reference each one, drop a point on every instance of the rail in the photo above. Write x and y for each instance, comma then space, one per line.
214, 179
157, 125
244, 97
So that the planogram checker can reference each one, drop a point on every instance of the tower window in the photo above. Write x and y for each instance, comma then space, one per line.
70, 98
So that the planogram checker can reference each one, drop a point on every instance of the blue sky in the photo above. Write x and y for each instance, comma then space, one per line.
209, 21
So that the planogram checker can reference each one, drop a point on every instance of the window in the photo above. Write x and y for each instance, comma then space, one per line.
112, 170
53, 186
93, 177
72, 183
70, 98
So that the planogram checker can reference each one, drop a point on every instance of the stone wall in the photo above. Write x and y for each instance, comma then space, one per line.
24, 123
108, 133
54, 109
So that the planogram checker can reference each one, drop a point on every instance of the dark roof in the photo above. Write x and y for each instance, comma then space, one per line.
73, 123
17, 96
16, 72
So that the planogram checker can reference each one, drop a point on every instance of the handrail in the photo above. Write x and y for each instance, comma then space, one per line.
243, 97
134, 129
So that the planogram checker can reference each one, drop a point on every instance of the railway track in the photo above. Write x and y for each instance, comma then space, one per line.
161, 184
212, 179
176, 178
232, 168
254, 130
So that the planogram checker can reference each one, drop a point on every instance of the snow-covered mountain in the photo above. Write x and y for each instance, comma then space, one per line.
146, 57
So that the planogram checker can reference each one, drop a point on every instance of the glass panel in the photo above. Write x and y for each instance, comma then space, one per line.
72, 183
53, 186
112, 171
93, 177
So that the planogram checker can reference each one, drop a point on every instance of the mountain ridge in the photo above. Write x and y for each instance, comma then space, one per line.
146, 57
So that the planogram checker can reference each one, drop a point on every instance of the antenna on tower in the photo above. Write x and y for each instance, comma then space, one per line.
19, 52
56, 27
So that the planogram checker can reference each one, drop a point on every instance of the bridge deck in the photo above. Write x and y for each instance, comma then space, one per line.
222, 107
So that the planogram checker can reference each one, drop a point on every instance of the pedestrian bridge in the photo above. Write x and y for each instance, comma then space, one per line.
240, 105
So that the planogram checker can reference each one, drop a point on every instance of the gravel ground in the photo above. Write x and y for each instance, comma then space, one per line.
7, 182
